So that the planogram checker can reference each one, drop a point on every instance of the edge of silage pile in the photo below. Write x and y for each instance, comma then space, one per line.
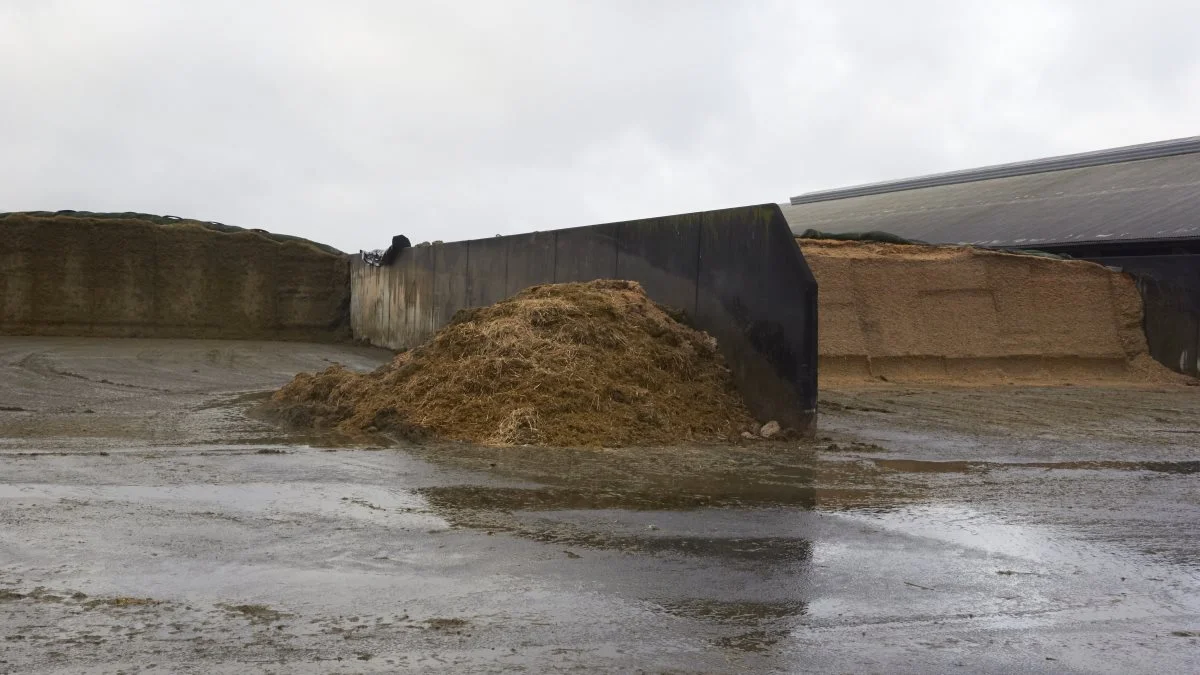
577, 364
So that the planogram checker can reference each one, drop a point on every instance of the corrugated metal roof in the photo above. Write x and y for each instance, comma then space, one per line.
1111, 195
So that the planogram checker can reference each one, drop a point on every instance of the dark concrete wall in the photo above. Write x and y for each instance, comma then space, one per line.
62, 275
1170, 288
737, 272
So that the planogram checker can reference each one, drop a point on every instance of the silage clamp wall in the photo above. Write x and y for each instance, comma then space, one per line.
738, 274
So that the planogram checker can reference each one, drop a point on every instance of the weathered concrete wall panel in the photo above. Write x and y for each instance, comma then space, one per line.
450, 282
62, 275
488, 271
586, 253
419, 280
737, 272
367, 308
662, 255
753, 309
530, 261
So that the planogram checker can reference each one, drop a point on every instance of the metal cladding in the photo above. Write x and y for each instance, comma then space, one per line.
1130, 153
1137, 194
737, 273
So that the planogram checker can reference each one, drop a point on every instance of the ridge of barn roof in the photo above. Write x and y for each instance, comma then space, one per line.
1128, 153
1146, 193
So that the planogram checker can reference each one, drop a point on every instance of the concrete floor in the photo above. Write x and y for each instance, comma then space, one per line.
148, 524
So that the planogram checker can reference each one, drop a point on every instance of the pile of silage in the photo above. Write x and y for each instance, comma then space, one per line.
579, 364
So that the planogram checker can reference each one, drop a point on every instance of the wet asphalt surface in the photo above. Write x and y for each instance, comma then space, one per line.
148, 523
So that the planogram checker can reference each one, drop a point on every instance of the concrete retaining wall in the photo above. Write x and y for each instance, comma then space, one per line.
737, 272
134, 278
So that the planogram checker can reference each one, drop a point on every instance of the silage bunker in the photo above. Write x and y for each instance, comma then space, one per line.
963, 315
136, 275
737, 274
576, 364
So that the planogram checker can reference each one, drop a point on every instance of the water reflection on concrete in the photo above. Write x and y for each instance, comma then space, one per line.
135, 524
720, 537
765, 544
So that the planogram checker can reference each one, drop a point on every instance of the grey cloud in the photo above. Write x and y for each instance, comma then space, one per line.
348, 122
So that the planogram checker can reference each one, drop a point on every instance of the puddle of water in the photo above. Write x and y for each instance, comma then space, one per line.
958, 466
1041, 549
617, 496
741, 612
270, 500
764, 550
1186, 467
664, 478
923, 466
770, 622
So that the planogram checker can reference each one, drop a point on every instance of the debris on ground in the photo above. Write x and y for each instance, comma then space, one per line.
120, 602
255, 613
577, 364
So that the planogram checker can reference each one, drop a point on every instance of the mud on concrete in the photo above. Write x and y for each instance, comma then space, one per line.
917, 534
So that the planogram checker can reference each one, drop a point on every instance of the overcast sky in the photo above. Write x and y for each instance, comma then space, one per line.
349, 121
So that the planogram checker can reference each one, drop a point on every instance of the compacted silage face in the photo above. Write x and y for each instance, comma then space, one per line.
963, 315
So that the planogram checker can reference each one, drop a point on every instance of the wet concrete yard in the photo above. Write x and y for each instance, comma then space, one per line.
148, 524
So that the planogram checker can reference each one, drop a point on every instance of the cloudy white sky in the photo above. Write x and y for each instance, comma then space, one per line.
347, 121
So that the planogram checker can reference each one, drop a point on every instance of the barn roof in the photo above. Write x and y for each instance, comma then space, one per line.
1148, 192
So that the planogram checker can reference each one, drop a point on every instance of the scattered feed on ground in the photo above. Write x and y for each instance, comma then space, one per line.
255, 613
